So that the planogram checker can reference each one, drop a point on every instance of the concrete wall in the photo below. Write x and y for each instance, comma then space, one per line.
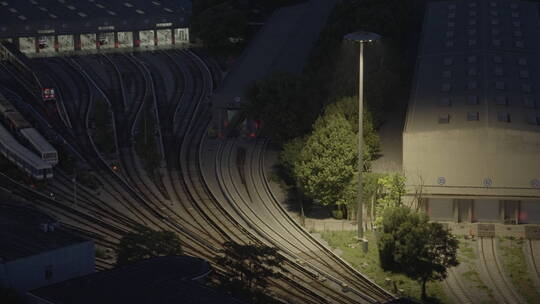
529, 212
88, 41
484, 161
66, 43
27, 45
62, 264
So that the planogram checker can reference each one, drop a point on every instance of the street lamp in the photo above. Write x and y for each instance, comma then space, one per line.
361, 37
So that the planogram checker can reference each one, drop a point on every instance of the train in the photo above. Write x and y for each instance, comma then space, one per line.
15, 122
25, 159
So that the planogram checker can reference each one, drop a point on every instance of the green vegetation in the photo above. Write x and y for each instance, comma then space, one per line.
392, 188
248, 270
411, 245
104, 133
289, 105
513, 261
146, 144
144, 243
369, 265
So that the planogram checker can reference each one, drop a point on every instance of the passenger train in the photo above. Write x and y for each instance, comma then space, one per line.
14, 121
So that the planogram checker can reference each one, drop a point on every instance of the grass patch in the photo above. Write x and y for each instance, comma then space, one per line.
513, 261
368, 264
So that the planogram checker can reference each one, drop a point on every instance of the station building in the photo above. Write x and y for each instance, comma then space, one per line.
471, 141
47, 27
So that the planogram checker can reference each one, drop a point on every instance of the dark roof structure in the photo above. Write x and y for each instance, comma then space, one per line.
38, 17
159, 280
25, 232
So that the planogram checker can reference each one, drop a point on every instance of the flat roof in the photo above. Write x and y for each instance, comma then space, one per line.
158, 280
478, 67
22, 235
41, 17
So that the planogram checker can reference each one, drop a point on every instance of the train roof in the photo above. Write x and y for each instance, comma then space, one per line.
7, 140
37, 140
37, 17
17, 120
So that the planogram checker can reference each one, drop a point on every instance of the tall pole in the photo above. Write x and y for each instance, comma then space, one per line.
360, 139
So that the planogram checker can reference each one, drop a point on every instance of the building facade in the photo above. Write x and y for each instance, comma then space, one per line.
471, 141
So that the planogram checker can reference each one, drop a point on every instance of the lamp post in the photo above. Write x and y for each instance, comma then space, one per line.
361, 37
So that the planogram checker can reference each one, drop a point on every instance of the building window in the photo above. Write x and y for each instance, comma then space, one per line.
471, 72
472, 13
495, 32
526, 88
472, 32
496, 42
518, 33
520, 44
503, 117
445, 102
529, 102
498, 71
499, 85
501, 100
473, 116
472, 42
497, 59
447, 74
444, 118
495, 21
471, 59
451, 15
449, 34
472, 100
516, 23
472, 22
447, 61
48, 272
471, 85
449, 43
445, 87
524, 74
522, 61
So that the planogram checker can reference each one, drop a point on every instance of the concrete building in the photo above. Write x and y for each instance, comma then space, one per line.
49, 27
471, 142
172, 279
36, 251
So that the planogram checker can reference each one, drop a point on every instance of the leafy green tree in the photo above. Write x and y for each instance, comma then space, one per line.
249, 269
215, 25
392, 188
290, 154
411, 245
328, 161
146, 243
348, 107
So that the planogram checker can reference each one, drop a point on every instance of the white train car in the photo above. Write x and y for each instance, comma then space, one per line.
44, 149
25, 159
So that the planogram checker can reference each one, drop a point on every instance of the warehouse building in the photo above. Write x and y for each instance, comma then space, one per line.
36, 250
49, 27
471, 141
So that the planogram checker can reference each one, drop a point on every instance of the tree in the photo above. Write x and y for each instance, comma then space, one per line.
348, 107
413, 246
328, 162
249, 268
146, 243
392, 188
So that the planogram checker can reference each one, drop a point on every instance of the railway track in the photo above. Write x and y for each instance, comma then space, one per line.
492, 273
531, 249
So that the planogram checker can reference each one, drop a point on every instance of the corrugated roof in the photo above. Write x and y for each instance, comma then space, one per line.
35, 17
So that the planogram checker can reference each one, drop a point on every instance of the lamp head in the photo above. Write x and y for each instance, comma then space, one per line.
362, 36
